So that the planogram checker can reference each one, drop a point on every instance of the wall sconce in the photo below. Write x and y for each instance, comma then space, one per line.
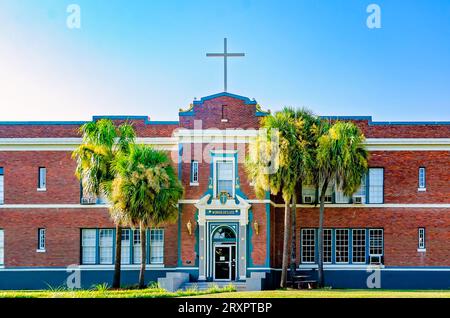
256, 227
189, 227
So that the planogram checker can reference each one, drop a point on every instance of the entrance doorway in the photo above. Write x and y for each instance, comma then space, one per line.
225, 262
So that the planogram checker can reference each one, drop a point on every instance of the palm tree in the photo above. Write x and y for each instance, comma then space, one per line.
147, 190
341, 157
102, 142
268, 165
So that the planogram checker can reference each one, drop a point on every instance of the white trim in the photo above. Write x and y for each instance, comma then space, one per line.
421, 189
194, 184
40, 251
41, 189
421, 250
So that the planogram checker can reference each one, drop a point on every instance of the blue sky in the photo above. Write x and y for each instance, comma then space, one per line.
148, 57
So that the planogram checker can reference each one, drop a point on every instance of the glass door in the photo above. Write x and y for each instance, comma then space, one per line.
222, 262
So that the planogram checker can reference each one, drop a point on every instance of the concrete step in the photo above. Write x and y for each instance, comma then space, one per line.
240, 286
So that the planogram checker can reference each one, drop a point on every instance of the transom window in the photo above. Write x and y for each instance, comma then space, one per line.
308, 237
2, 247
225, 177
341, 245
359, 246
224, 232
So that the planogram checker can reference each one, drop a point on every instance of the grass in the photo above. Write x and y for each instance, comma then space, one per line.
103, 291
336, 293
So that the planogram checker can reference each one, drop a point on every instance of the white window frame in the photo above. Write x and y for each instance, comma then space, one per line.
2, 186
126, 247
109, 248
2, 247
306, 259
370, 242
422, 247
41, 240
215, 181
330, 231
422, 179
194, 173
153, 246
360, 245
84, 245
137, 246
42, 179
336, 244
371, 200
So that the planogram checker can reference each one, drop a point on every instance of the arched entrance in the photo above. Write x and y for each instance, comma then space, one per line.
224, 242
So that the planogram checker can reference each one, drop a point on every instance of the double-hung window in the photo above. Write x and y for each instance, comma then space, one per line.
327, 245
88, 246
2, 247
308, 237
106, 246
2, 191
421, 245
341, 239
125, 249
194, 172
42, 178
358, 246
422, 181
137, 246
41, 239
225, 177
376, 185
156, 246
376, 242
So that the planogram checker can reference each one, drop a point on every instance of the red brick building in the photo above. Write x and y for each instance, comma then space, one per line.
394, 233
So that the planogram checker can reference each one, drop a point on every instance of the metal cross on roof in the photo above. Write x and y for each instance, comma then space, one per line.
225, 56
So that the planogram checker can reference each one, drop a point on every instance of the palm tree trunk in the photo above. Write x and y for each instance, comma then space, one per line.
143, 258
285, 262
321, 279
118, 258
293, 237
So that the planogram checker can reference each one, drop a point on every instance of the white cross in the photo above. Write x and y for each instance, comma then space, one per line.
225, 56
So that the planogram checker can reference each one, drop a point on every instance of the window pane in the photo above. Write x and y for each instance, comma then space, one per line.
341, 246
2, 247
421, 237
42, 178
106, 246
125, 250
421, 177
327, 246
1, 189
376, 241
156, 246
359, 246
136, 247
308, 246
194, 172
225, 177
88, 245
376, 183
41, 237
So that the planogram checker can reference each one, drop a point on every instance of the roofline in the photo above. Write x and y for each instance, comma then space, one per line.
387, 123
247, 100
94, 118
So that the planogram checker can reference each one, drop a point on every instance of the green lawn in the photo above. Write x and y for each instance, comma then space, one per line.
343, 293
227, 292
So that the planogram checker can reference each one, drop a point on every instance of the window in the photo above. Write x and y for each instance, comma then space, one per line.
309, 194
88, 246
376, 242
327, 246
136, 246
41, 239
2, 247
308, 246
361, 193
341, 245
422, 238
156, 246
2, 194
126, 244
359, 246
42, 176
106, 246
194, 171
422, 184
225, 177
376, 185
